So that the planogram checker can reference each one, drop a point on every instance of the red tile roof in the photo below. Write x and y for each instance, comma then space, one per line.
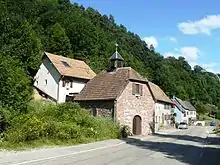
109, 85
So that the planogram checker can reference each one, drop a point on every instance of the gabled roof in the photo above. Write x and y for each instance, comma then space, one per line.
189, 106
158, 93
109, 85
185, 104
178, 105
71, 67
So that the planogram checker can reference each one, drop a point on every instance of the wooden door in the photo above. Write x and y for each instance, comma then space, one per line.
137, 125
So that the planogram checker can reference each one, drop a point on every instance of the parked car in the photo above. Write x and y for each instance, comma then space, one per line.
212, 123
183, 125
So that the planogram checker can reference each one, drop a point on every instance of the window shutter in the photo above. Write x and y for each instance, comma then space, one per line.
133, 88
141, 90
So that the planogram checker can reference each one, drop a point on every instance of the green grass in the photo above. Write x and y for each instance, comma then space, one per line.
54, 125
43, 143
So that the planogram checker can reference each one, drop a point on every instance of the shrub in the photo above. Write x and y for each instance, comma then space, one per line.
125, 131
5, 117
62, 122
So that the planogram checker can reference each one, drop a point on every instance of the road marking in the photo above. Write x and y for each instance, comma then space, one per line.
201, 155
64, 155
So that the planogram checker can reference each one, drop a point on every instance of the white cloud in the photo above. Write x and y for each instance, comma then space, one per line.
209, 65
204, 25
173, 39
213, 70
190, 53
151, 40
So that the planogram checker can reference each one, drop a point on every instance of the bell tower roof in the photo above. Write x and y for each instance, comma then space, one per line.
116, 55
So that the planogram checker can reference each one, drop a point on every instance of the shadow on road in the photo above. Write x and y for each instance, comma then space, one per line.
184, 153
211, 140
182, 137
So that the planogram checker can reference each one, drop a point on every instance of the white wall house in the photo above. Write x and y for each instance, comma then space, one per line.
188, 110
162, 108
61, 78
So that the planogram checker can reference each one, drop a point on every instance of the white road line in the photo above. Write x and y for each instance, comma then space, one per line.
74, 153
201, 155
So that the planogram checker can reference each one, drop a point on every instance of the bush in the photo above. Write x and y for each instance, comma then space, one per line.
125, 131
62, 122
5, 117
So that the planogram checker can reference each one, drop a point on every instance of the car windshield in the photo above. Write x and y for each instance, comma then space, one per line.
182, 123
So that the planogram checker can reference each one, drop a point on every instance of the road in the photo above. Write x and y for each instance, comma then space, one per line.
182, 147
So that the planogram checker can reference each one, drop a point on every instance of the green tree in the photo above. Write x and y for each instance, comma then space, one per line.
24, 46
58, 42
14, 84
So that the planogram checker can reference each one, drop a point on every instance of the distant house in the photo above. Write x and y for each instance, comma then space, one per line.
122, 94
188, 111
162, 108
179, 112
60, 78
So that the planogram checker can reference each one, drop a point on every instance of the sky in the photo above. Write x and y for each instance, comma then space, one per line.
188, 28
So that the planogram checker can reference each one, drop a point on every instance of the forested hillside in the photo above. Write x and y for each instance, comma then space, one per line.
29, 27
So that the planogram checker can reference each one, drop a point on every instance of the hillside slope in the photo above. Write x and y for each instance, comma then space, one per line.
32, 26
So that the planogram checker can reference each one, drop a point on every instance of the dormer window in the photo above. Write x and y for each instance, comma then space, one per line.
65, 64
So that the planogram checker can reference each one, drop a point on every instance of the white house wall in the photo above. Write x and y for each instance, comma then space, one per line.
63, 91
47, 79
192, 114
159, 111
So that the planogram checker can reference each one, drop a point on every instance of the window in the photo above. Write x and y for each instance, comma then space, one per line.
185, 114
136, 89
65, 64
45, 81
71, 84
64, 83
191, 113
166, 106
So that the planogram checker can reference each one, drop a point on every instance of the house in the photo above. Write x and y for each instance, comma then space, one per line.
60, 78
162, 107
188, 111
121, 94
179, 112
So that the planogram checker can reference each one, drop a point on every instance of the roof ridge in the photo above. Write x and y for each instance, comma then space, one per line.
47, 53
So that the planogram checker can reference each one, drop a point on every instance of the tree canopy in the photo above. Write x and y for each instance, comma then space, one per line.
29, 27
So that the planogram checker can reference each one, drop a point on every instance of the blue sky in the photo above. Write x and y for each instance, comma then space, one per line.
176, 27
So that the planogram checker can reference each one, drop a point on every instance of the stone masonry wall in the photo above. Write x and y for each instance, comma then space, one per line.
99, 107
129, 105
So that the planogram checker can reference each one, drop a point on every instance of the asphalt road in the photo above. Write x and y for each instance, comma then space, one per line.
182, 147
